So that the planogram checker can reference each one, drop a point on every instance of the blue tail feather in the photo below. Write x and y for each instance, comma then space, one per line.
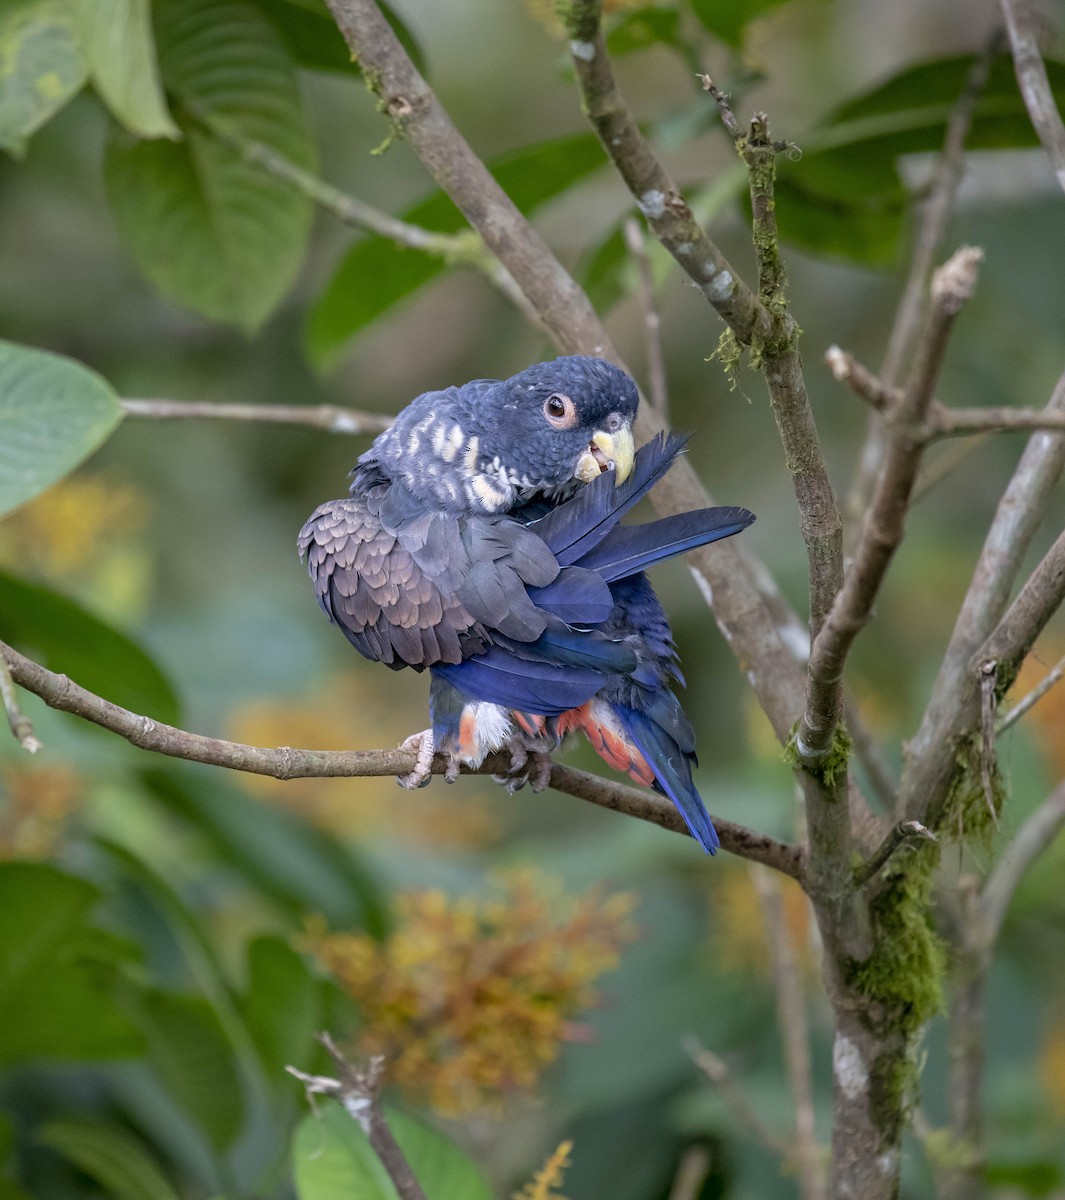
672, 768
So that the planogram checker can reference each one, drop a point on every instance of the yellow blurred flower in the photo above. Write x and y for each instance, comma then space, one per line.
81, 535
350, 710
38, 803
545, 1183
468, 1000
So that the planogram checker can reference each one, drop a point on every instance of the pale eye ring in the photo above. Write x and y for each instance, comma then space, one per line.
560, 411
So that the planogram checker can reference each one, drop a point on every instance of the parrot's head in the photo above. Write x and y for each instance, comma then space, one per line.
562, 422
493, 445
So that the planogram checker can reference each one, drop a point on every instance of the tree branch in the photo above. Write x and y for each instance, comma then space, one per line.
932, 231
902, 834
745, 1113
20, 725
1055, 675
285, 762
1036, 602
954, 422
358, 1091
1034, 84
658, 198
884, 523
931, 759
330, 417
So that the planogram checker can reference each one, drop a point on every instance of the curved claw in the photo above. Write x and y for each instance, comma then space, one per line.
423, 765
529, 764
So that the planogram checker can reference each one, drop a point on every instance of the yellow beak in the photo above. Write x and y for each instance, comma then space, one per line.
616, 448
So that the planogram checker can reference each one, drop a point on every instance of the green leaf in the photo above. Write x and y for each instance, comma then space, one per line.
117, 41
56, 972
281, 1008
191, 1055
642, 28
845, 195
114, 1158
68, 639
211, 230
374, 275
53, 414
41, 67
297, 866
728, 19
309, 31
332, 1160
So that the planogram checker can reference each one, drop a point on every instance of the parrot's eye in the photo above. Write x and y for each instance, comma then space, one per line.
560, 411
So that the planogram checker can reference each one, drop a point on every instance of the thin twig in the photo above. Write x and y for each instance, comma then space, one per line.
902, 834
1037, 601
934, 471
1034, 84
652, 325
1034, 836
794, 1031
695, 1164
285, 762
1037, 693
20, 724
358, 1092
740, 1107
330, 417
932, 232
955, 422
464, 249
847, 369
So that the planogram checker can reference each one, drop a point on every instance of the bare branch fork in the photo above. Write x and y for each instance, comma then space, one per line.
285, 762
358, 1091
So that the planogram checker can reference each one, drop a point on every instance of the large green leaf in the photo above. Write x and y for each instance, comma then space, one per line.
117, 40
190, 1053
332, 1160
72, 641
297, 866
845, 196
41, 67
56, 971
281, 1008
53, 414
374, 275
311, 35
211, 230
114, 1158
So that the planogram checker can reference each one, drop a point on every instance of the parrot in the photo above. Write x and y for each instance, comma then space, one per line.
482, 540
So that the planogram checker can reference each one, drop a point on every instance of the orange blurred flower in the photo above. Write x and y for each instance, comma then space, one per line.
39, 804
469, 999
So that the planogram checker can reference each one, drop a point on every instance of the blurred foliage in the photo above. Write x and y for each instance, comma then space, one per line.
156, 919
468, 1001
